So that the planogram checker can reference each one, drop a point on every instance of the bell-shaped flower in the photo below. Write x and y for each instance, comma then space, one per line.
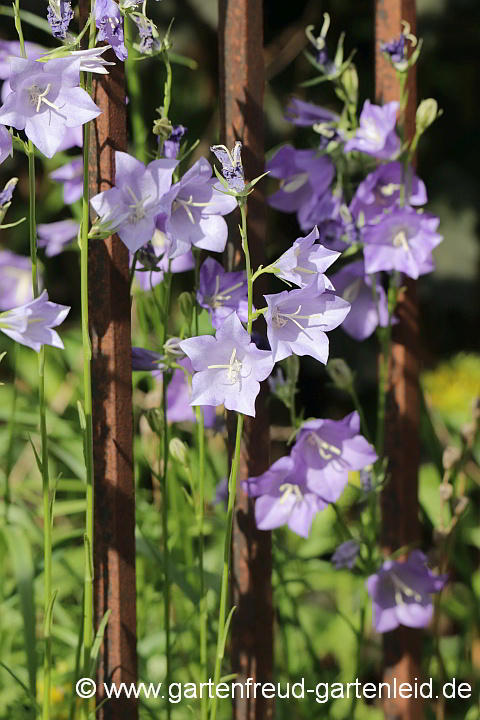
401, 591
297, 322
152, 266
59, 16
11, 48
305, 114
331, 449
45, 100
376, 135
345, 556
137, 198
304, 261
109, 21
221, 292
403, 240
228, 367
381, 190
305, 178
15, 280
179, 396
197, 207
56, 236
366, 314
6, 145
32, 324
143, 359
71, 175
232, 168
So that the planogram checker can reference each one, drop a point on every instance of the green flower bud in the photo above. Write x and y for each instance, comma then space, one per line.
179, 451
340, 373
350, 83
162, 127
186, 304
427, 113
155, 420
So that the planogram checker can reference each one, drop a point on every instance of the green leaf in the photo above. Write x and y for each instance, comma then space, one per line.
47, 622
98, 643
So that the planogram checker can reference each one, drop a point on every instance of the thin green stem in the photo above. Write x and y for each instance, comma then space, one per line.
135, 96
360, 641
11, 432
201, 550
243, 211
359, 409
167, 96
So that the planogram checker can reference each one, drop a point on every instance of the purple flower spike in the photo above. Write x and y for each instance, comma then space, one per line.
381, 190
6, 145
222, 293
60, 20
109, 21
400, 593
403, 240
171, 146
32, 324
284, 498
196, 211
232, 168
143, 359
376, 135
56, 236
305, 114
228, 367
138, 197
355, 287
305, 262
16, 280
45, 100
345, 556
71, 174
305, 178
330, 449
297, 321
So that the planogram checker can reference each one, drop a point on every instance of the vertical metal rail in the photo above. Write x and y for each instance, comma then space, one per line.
109, 315
402, 647
242, 80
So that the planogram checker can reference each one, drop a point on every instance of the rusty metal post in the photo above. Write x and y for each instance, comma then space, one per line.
109, 315
402, 647
242, 82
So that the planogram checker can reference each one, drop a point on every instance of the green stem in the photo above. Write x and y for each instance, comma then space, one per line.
201, 550
359, 409
11, 432
135, 96
167, 96
360, 640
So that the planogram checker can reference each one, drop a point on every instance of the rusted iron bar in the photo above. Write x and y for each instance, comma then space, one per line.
242, 79
109, 314
402, 647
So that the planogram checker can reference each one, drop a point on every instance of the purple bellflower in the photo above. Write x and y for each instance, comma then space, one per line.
171, 146
109, 21
137, 198
297, 322
6, 194
73, 138
232, 168
345, 556
45, 100
71, 174
395, 49
6, 145
54, 237
228, 367
221, 292
400, 593
376, 135
179, 396
11, 48
32, 324
305, 114
15, 280
306, 261
196, 211
305, 178
365, 315
403, 240
143, 359
330, 449
283, 497
59, 18
381, 190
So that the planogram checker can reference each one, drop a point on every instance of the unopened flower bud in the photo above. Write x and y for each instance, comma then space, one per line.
162, 127
185, 302
179, 451
172, 348
427, 113
155, 420
340, 373
350, 83
445, 491
451, 455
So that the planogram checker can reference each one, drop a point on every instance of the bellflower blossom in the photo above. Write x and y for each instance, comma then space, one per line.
403, 240
54, 237
228, 367
32, 324
381, 190
297, 321
73, 138
179, 396
232, 168
161, 246
7, 193
109, 21
59, 17
345, 556
6, 144
221, 292
11, 48
331, 449
305, 178
15, 280
306, 114
143, 359
137, 198
395, 49
283, 497
400, 593
197, 207
376, 135
45, 100
365, 314
171, 146
305, 262
71, 174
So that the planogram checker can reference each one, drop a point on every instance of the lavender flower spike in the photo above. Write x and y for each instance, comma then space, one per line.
6, 145
400, 593
59, 16
71, 174
228, 368
54, 237
376, 135
32, 324
45, 100
232, 168
221, 292
306, 261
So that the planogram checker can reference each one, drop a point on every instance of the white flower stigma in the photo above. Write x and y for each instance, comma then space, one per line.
37, 97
